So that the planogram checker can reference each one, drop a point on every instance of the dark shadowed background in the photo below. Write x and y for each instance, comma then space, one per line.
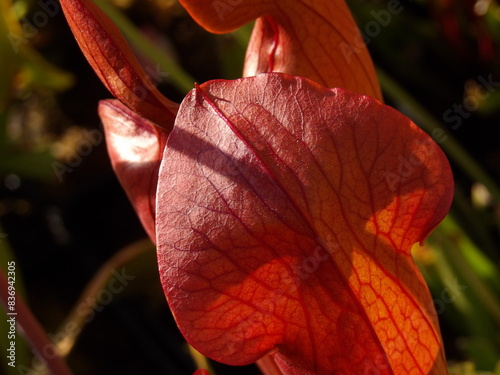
63, 214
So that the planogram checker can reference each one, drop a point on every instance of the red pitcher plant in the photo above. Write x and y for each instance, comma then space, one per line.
284, 205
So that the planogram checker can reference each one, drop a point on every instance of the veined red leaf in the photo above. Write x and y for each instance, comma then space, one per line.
114, 62
286, 214
315, 39
135, 147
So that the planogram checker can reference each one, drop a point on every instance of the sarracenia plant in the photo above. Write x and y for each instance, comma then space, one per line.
284, 204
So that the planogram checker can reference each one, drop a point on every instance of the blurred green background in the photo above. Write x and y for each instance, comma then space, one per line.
63, 214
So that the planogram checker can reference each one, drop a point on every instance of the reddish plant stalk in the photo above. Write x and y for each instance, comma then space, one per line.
34, 332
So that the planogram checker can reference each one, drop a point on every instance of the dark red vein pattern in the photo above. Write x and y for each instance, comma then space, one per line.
284, 224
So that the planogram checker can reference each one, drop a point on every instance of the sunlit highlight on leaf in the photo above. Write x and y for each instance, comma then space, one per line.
135, 146
286, 215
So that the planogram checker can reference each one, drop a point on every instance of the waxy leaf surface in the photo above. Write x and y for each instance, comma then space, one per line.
135, 146
285, 217
137, 125
314, 39
114, 62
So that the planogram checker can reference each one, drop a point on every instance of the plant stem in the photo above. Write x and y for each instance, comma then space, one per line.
23, 354
76, 319
72, 327
242, 35
33, 331
454, 251
178, 76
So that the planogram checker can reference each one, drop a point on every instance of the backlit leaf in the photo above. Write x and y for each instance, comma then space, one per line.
114, 62
286, 214
135, 146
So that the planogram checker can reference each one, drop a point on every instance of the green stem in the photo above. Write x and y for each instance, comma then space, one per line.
242, 35
178, 76
445, 273
453, 242
481, 290
429, 124
468, 218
